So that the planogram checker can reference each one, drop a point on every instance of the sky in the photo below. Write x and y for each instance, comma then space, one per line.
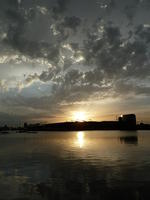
58, 57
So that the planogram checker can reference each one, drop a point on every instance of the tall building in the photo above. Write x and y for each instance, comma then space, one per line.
127, 121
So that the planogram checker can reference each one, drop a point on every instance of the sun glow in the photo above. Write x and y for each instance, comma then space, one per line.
79, 116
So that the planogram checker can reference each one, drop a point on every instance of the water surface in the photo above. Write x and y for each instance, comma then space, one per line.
75, 165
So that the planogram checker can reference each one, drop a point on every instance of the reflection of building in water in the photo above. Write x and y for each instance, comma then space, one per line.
129, 140
127, 121
80, 137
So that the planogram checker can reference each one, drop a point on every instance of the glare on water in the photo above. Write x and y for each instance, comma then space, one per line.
80, 139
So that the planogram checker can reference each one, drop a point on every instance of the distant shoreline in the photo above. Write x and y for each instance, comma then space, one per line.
83, 126
78, 126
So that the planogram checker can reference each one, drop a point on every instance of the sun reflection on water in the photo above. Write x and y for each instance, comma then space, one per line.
80, 139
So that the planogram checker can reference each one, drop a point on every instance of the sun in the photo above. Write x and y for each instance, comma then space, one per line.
79, 116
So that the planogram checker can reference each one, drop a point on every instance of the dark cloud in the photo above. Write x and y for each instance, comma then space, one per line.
71, 22
118, 66
109, 58
117, 56
129, 88
17, 40
60, 7
18, 18
143, 33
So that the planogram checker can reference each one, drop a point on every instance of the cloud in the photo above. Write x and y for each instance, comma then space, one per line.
110, 52
143, 33
105, 59
3, 86
71, 22
60, 8
106, 4
16, 36
117, 67
132, 89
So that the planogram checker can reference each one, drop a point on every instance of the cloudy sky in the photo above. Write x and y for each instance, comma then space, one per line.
63, 56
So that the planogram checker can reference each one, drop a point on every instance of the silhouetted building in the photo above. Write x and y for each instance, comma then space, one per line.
25, 125
127, 121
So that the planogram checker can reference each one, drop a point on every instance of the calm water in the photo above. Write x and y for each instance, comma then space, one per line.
75, 165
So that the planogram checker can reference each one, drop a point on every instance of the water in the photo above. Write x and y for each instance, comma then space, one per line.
75, 165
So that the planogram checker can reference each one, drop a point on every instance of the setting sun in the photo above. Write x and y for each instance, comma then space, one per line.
79, 116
